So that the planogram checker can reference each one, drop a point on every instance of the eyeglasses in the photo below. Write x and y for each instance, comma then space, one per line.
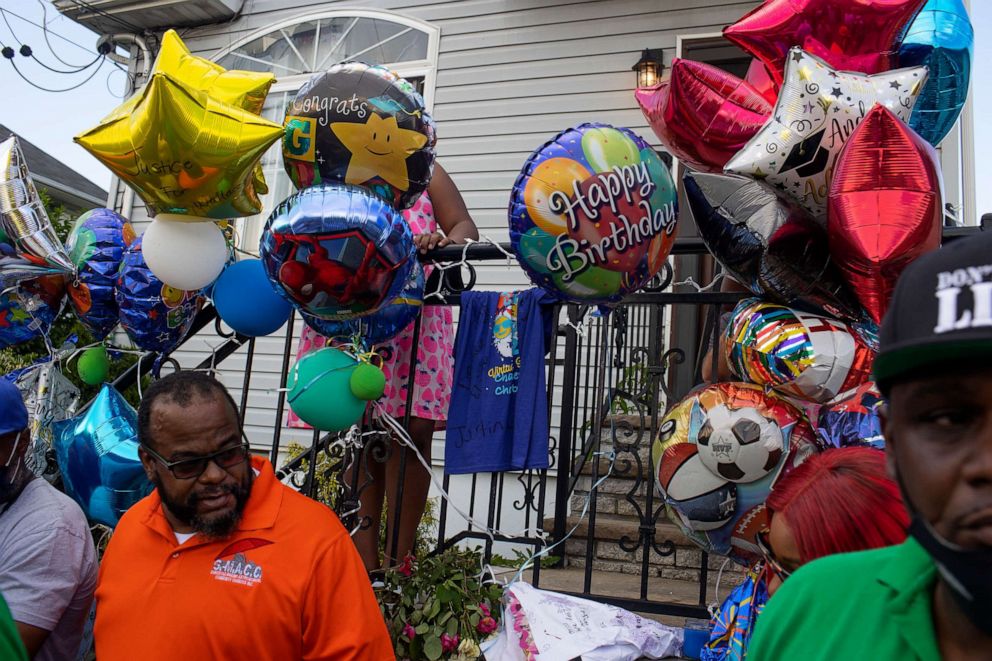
188, 469
770, 560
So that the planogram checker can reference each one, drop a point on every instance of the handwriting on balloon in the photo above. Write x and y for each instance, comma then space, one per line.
339, 106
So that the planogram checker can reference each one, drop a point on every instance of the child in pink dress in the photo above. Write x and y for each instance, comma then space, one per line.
435, 355
441, 207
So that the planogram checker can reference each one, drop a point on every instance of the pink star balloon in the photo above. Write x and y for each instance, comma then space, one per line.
885, 206
703, 115
850, 35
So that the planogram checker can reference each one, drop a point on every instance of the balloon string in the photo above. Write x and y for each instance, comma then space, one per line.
692, 283
401, 434
585, 511
484, 239
714, 606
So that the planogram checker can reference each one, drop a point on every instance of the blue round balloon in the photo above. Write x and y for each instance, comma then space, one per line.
942, 38
382, 325
593, 214
97, 453
247, 302
96, 246
157, 317
336, 251
28, 310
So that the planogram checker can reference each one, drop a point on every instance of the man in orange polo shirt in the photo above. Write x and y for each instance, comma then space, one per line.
222, 561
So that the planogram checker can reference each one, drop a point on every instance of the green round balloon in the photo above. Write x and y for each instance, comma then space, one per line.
320, 390
368, 382
93, 366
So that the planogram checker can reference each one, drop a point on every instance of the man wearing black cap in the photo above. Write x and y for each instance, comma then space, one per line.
930, 597
47, 561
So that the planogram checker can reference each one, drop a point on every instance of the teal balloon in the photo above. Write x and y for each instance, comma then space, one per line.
97, 453
665, 193
942, 38
320, 390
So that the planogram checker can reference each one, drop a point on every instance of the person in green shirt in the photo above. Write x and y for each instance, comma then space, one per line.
11, 647
931, 596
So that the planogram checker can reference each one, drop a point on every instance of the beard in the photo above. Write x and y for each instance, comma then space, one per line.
12, 481
215, 526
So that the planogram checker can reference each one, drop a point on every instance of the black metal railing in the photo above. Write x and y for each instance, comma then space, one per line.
610, 379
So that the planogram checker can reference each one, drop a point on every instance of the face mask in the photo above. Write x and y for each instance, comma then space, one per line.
967, 573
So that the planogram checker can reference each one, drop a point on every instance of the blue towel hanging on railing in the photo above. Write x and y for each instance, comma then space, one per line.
498, 417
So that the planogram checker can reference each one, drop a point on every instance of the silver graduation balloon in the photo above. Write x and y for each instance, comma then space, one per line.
772, 247
22, 215
817, 110
49, 397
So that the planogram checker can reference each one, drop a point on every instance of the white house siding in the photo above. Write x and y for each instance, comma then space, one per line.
510, 75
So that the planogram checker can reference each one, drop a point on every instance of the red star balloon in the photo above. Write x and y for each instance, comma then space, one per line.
885, 206
851, 35
703, 115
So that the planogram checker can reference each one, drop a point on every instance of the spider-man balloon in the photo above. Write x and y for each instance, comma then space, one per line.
337, 251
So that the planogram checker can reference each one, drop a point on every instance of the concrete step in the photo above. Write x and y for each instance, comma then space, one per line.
679, 558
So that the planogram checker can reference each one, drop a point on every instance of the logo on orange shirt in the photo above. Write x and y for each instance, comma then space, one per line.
233, 566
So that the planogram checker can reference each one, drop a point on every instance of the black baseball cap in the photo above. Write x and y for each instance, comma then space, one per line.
940, 313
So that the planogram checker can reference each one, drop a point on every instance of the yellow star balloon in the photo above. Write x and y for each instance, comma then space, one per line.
379, 148
183, 150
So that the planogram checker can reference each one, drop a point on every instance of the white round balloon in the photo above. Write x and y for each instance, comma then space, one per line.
182, 254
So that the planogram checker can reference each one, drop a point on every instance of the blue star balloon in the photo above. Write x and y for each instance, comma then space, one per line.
96, 246
943, 39
97, 453
383, 325
156, 316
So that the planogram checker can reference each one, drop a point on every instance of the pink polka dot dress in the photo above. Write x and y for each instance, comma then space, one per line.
435, 355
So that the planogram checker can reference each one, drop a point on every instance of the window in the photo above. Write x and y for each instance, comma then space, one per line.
297, 48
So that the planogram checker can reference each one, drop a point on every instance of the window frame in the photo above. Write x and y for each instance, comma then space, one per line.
425, 68
250, 228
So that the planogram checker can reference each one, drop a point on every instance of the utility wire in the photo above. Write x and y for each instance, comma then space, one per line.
46, 89
96, 10
28, 20
45, 31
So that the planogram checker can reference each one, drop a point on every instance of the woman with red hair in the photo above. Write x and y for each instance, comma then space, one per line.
838, 501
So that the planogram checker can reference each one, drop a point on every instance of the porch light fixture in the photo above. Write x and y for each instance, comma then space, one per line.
649, 67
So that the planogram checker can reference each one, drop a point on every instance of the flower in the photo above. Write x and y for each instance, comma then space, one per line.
409, 632
486, 625
468, 650
485, 610
406, 567
449, 643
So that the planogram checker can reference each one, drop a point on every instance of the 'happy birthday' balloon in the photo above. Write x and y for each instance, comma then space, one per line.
593, 214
